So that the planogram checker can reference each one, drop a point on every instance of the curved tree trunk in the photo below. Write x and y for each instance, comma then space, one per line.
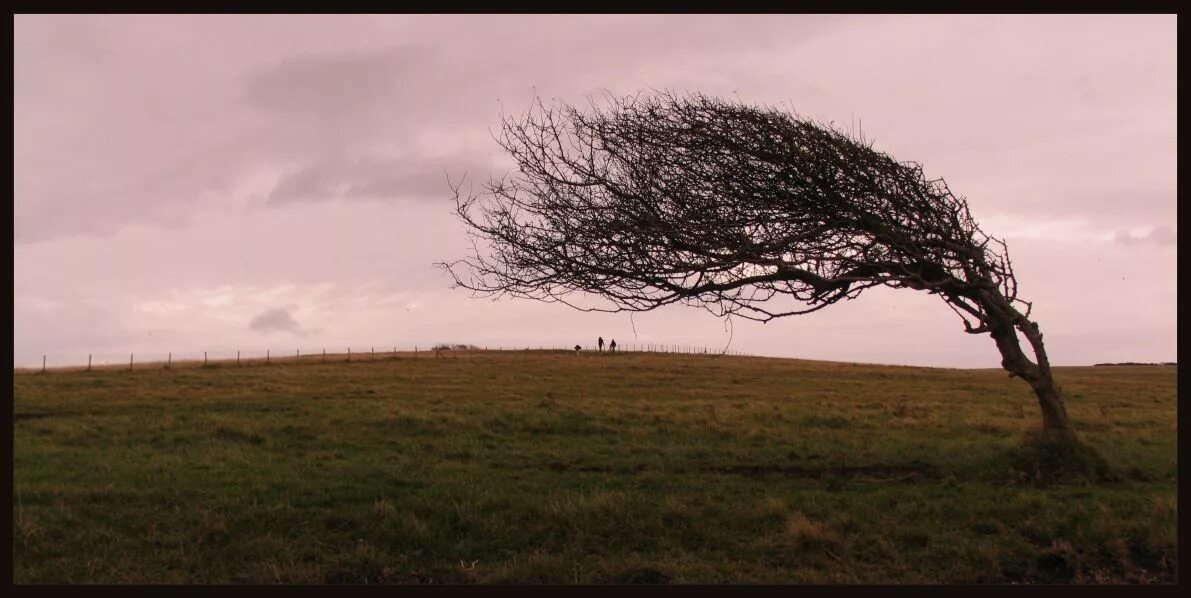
1054, 414
1005, 324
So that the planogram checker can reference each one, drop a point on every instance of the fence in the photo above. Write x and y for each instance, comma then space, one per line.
242, 357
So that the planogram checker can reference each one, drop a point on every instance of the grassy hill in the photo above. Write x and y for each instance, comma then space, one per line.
534, 467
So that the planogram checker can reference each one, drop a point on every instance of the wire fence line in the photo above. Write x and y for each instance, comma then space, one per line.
244, 357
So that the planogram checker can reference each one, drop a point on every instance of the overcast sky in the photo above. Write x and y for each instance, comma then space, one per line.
203, 182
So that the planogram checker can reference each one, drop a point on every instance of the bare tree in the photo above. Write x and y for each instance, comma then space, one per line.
654, 199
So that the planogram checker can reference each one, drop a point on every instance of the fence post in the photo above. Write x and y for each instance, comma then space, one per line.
349, 354
88, 362
204, 358
43, 364
169, 360
298, 353
237, 358
266, 356
129, 362
373, 356
324, 354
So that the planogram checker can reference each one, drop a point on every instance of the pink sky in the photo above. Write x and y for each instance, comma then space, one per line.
205, 182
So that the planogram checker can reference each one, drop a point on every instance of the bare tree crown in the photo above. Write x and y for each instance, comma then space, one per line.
657, 199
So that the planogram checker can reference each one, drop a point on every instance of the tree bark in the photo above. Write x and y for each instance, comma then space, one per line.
1006, 322
1054, 414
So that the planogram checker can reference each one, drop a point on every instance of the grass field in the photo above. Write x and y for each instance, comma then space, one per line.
531, 467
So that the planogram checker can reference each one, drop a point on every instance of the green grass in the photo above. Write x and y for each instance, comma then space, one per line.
530, 467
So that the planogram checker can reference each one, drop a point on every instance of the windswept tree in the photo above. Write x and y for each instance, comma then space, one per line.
743, 210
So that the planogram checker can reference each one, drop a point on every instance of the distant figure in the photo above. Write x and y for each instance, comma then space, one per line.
577, 348
601, 344
612, 346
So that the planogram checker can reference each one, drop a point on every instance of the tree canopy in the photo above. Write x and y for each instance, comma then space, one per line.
742, 210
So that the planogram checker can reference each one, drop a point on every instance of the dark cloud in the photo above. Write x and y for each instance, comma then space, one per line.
275, 320
341, 85
376, 178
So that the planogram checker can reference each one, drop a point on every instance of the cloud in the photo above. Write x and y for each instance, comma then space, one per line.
68, 324
1158, 235
217, 140
275, 320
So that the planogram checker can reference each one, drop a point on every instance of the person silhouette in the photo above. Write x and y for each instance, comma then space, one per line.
601, 341
612, 346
